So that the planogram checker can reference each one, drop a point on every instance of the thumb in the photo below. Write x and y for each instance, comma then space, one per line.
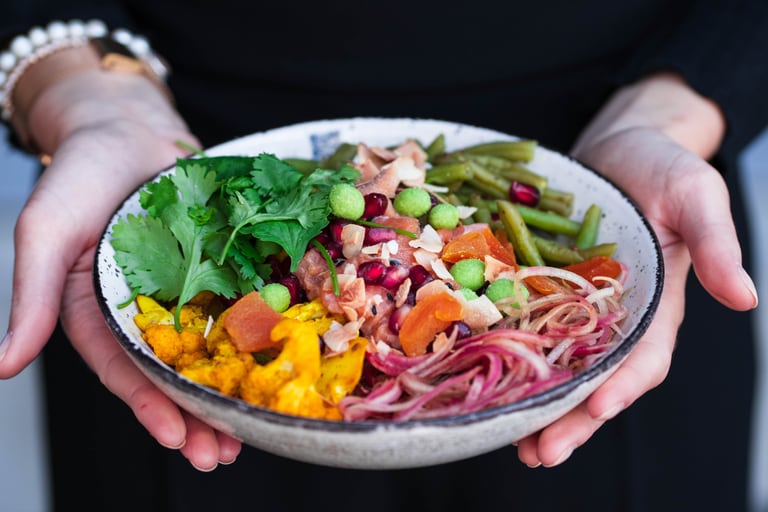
40, 267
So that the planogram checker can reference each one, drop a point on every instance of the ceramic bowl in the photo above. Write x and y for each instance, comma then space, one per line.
388, 445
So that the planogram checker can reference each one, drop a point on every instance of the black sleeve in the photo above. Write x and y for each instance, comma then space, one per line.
720, 48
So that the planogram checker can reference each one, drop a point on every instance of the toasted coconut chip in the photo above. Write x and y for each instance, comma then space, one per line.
440, 270
480, 312
338, 336
408, 172
401, 295
424, 257
466, 212
429, 240
352, 237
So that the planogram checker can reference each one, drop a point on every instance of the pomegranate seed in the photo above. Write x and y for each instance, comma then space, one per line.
324, 238
294, 287
375, 236
394, 277
335, 228
397, 318
463, 330
334, 250
419, 276
524, 194
375, 205
372, 272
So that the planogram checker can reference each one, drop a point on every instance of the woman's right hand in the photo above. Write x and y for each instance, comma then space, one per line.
107, 134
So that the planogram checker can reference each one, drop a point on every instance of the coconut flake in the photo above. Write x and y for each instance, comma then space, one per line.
352, 236
338, 336
429, 240
466, 212
401, 295
440, 270
480, 312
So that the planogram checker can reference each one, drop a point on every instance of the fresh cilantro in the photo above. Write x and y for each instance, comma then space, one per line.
162, 253
213, 224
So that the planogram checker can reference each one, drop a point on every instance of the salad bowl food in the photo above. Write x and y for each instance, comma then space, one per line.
383, 412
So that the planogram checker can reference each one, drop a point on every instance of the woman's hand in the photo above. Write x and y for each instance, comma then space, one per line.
108, 133
652, 140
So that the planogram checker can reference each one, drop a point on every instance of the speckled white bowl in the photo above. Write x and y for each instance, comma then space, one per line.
377, 445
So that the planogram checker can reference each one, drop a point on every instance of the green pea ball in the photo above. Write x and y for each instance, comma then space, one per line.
444, 216
413, 202
504, 288
469, 273
468, 294
346, 201
277, 296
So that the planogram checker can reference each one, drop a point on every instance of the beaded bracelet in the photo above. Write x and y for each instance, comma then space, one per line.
25, 50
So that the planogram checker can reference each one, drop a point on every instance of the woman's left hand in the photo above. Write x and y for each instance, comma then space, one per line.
652, 139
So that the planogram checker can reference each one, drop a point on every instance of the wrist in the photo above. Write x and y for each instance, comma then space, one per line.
666, 103
43, 58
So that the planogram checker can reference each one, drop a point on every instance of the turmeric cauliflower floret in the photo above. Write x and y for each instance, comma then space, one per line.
221, 373
170, 345
287, 384
315, 313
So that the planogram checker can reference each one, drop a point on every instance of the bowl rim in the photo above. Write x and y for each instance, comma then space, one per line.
187, 386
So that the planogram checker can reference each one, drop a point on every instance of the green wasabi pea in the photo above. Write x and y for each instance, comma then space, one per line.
444, 216
413, 202
504, 288
277, 296
346, 201
468, 294
469, 273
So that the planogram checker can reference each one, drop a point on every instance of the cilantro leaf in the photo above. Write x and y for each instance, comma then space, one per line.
162, 255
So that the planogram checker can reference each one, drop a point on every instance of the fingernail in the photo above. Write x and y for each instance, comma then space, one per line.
563, 456
4, 344
177, 446
533, 466
205, 470
228, 462
749, 284
611, 412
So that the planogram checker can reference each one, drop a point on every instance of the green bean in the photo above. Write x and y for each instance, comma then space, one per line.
605, 249
587, 235
549, 221
487, 182
436, 147
345, 153
518, 150
483, 213
557, 201
446, 174
512, 171
518, 234
556, 253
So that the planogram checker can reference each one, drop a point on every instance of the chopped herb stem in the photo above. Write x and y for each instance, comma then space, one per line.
404, 232
331, 266
191, 148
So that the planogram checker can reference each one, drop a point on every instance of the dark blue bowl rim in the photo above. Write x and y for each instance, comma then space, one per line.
193, 390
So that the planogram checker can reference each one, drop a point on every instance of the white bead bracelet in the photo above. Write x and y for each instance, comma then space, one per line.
24, 50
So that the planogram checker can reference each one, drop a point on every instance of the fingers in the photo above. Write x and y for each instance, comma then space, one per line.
644, 369
206, 448
708, 229
40, 265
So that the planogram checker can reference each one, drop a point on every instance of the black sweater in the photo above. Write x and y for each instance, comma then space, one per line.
535, 69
